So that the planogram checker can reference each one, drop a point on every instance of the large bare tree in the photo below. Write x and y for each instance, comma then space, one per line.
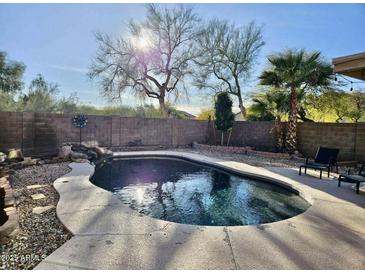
152, 59
228, 54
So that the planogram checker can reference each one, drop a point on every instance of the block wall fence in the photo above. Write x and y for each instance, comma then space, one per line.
43, 133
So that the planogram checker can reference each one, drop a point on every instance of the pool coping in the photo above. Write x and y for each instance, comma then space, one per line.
93, 214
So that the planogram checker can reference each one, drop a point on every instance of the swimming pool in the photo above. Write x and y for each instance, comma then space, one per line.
186, 192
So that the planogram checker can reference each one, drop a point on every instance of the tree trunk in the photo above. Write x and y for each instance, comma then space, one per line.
278, 134
240, 105
229, 136
222, 135
214, 134
161, 101
291, 138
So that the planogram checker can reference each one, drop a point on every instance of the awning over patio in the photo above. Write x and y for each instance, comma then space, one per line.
351, 65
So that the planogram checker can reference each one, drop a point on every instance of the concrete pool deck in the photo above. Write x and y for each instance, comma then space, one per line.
110, 235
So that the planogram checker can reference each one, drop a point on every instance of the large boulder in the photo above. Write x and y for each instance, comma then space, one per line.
85, 151
90, 152
79, 148
103, 151
92, 155
65, 152
90, 144
15, 155
75, 156
28, 161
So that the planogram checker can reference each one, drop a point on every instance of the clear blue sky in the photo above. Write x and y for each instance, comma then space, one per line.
57, 39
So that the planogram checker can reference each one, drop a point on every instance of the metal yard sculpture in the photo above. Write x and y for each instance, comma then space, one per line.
79, 121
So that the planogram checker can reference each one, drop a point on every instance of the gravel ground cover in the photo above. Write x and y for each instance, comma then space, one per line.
39, 234
249, 159
263, 161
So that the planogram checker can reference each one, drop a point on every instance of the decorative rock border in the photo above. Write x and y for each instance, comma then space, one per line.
145, 148
240, 150
110, 235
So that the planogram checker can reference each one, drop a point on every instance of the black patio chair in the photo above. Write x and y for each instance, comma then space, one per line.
353, 179
325, 159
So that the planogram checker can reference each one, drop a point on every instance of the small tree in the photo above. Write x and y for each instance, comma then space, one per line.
340, 105
11, 74
69, 104
41, 96
357, 110
224, 117
11, 82
205, 114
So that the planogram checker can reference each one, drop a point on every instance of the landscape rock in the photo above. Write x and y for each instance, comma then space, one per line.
103, 151
15, 155
88, 150
35, 186
78, 155
2, 157
92, 154
65, 151
9, 229
41, 209
28, 161
79, 148
90, 144
4, 181
38, 196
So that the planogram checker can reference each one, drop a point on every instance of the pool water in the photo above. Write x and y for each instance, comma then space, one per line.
184, 192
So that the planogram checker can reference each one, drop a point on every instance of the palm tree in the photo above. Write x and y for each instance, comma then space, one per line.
271, 105
294, 71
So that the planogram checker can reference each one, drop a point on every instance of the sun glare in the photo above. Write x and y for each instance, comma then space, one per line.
143, 41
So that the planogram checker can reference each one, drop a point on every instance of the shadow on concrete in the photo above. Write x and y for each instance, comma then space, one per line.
334, 246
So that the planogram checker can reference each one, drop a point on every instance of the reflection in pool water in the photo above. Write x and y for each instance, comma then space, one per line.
184, 192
